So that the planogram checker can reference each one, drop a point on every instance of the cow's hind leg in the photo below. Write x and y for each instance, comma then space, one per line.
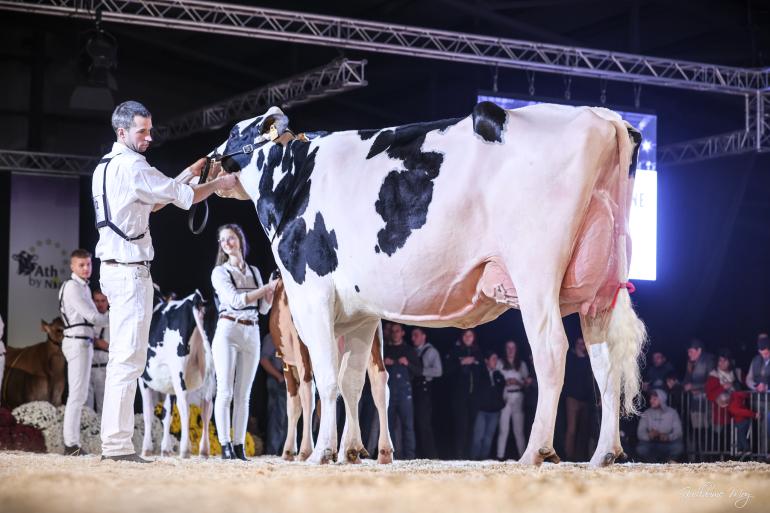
355, 360
545, 331
293, 411
148, 412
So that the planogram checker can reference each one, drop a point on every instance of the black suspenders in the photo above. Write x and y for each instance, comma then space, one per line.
256, 286
67, 324
107, 221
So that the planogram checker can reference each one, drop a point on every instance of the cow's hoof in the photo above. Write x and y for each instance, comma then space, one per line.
385, 456
608, 458
147, 453
322, 457
351, 456
364, 454
166, 454
185, 455
549, 455
288, 455
304, 455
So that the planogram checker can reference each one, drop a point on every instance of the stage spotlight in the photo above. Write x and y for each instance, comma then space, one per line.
96, 91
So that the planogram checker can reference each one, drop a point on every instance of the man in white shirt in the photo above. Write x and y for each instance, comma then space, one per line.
80, 318
126, 189
101, 356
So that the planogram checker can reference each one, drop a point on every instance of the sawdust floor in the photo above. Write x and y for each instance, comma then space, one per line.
31, 483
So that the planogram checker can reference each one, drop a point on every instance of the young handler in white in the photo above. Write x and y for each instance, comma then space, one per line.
101, 356
126, 189
235, 348
80, 318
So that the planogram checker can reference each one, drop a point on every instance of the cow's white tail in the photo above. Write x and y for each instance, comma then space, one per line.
625, 335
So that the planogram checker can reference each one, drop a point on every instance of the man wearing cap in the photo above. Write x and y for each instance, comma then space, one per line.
125, 190
659, 431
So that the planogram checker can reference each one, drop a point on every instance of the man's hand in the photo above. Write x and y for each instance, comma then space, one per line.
196, 168
403, 361
512, 381
102, 344
761, 387
467, 360
226, 182
687, 387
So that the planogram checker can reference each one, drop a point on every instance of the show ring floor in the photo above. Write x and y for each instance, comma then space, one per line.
31, 483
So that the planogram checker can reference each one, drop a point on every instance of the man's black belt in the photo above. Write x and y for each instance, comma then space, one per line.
145, 263
98, 365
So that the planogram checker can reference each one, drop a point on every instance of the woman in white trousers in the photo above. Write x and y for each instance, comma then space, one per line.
517, 379
235, 348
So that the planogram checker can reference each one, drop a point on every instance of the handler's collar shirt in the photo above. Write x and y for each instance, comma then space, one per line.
133, 188
79, 310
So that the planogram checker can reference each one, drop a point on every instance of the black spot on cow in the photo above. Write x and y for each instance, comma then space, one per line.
406, 194
357, 289
260, 159
183, 348
236, 141
636, 136
181, 381
163, 413
281, 202
365, 135
489, 121
316, 248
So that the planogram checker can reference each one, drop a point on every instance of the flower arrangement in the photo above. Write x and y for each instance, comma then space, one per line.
254, 446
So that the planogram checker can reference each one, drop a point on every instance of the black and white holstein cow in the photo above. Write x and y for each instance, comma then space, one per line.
179, 362
451, 223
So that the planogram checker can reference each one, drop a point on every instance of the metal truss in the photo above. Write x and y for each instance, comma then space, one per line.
336, 77
295, 27
754, 137
31, 162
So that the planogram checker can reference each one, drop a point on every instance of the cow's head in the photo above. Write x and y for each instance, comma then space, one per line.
54, 330
274, 170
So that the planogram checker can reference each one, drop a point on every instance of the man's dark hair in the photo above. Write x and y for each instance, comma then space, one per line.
80, 253
123, 115
488, 353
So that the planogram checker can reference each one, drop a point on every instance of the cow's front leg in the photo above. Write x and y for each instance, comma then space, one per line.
166, 445
608, 448
316, 326
358, 348
543, 324
204, 449
184, 418
148, 412
378, 378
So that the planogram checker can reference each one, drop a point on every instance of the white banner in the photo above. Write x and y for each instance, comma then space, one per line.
45, 215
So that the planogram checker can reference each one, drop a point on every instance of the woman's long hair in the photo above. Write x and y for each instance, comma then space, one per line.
221, 255
516, 357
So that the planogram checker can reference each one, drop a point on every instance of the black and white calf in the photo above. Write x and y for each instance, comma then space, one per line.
179, 363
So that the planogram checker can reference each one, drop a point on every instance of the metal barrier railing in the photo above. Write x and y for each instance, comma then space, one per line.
711, 432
